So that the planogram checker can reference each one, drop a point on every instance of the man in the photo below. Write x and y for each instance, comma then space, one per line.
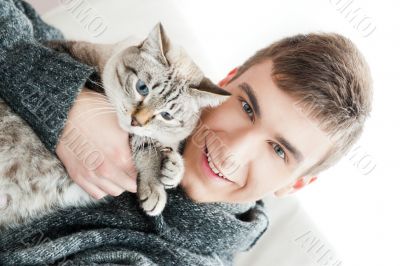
296, 107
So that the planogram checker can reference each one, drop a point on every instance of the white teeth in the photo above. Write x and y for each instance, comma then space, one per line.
212, 166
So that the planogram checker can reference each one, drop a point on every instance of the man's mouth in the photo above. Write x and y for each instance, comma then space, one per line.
214, 169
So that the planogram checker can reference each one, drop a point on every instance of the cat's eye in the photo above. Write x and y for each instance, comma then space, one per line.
142, 88
279, 151
166, 116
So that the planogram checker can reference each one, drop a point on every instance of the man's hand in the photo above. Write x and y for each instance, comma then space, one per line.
94, 149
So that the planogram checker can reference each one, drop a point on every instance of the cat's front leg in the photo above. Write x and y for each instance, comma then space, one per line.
172, 168
152, 195
92, 54
150, 190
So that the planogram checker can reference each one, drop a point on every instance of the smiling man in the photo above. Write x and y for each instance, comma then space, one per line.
296, 107
256, 140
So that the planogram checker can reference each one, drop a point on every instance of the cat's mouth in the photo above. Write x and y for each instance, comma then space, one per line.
139, 131
125, 123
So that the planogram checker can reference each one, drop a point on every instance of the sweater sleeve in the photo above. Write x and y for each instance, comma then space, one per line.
39, 84
41, 30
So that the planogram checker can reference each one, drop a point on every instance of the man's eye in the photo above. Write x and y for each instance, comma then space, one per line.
247, 108
279, 151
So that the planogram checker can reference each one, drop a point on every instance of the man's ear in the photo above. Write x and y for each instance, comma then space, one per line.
295, 186
228, 78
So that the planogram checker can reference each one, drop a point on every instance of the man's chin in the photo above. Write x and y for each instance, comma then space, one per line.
199, 193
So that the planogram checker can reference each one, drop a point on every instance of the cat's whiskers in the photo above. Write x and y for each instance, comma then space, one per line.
109, 92
99, 108
96, 112
103, 101
113, 94
103, 108
97, 96
154, 145
97, 83
99, 113
95, 102
141, 147
147, 139
88, 91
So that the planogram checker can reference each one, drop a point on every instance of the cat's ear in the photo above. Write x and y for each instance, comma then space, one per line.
207, 93
157, 43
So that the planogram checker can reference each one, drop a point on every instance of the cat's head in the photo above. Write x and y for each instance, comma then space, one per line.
157, 90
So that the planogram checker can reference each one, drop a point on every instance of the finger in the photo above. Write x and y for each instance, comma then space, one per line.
90, 188
109, 187
130, 170
117, 176
126, 163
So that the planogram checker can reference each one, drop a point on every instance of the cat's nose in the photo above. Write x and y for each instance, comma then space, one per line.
134, 122
141, 116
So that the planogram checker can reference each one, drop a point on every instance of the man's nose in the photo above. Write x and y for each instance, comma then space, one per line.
234, 150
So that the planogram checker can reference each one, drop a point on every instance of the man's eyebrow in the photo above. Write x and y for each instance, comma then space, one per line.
296, 153
252, 97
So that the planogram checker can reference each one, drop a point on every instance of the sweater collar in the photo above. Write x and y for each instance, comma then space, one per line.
210, 227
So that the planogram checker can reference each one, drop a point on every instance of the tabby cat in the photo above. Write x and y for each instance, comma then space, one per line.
157, 92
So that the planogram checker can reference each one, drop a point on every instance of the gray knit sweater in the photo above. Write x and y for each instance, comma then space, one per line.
115, 231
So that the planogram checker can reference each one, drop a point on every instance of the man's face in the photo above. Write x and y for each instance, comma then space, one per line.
258, 140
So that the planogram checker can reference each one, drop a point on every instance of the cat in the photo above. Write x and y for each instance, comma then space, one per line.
157, 92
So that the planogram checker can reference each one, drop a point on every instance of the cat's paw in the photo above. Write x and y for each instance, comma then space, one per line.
152, 197
172, 169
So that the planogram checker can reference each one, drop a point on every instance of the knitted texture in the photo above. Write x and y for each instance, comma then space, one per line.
39, 84
118, 231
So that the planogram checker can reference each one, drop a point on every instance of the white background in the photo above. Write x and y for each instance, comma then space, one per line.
357, 211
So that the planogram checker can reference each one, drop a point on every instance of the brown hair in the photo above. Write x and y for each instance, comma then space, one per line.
331, 82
